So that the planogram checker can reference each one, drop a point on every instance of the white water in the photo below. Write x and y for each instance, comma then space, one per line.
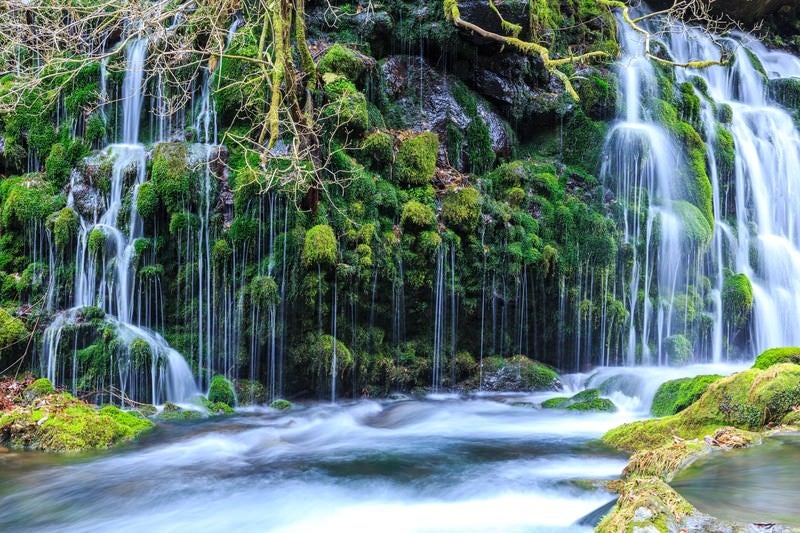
104, 278
756, 230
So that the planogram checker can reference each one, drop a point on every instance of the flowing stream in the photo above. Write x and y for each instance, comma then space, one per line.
444, 463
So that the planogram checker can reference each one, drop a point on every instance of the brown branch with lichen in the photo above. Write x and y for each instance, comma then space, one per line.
453, 14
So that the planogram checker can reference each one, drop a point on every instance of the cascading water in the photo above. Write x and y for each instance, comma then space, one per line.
105, 268
756, 231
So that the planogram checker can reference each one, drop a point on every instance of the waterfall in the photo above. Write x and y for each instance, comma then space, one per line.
756, 230
105, 261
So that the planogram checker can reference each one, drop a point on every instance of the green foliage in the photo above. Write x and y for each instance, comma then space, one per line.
238, 84
674, 396
264, 291
776, 356
27, 199
97, 240
583, 141
250, 392
378, 148
37, 389
480, 154
341, 60
64, 225
461, 208
57, 166
678, 349
221, 391
696, 229
147, 200
415, 163
319, 246
737, 299
418, 215
174, 182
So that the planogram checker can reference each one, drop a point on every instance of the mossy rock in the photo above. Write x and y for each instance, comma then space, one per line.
603, 405
147, 200
378, 149
221, 391
415, 162
346, 106
696, 229
250, 392
341, 60
461, 208
535, 375
218, 408
37, 389
62, 423
737, 300
749, 400
559, 402
776, 356
646, 504
417, 215
281, 405
676, 395
174, 413
12, 331
64, 226
319, 246
174, 181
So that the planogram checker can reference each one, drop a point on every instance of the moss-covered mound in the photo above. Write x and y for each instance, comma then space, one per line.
587, 400
777, 356
221, 391
281, 405
59, 422
748, 400
676, 395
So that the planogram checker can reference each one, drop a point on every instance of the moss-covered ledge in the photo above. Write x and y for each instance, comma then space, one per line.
734, 412
46, 420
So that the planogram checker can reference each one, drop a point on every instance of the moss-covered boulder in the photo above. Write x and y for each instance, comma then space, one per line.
749, 400
676, 395
377, 150
221, 391
461, 208
415, 162
519, 373
343, 61
174, 413
319, 246
37, 389
59, 422
417, 215
174, 181
776, 356
585, 401
281, 404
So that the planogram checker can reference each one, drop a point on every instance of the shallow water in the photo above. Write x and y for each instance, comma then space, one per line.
447, 463
758, 484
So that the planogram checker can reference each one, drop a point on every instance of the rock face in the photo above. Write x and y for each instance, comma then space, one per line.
425, 101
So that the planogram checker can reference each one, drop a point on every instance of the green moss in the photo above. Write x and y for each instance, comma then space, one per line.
415, 163
555, 403
319, 246
65, 424
250, 392
725, 113
347, 107
173, 413
737, 299
696, 229
416, 214
40, 387
95, 130
748, 400
12, 331
27, 199
461, 208
140, 352
221, 391
64, 225
535, 375
676, 395
173, 180
378, 148
341, 60
603, 405
480, 154
281, 405
218, 408
57, 165
147, 200
689, 103
678, 349
725, 153
97, 240
264, 291
776, 356
583, 141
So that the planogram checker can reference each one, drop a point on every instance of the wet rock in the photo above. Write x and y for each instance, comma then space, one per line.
480, 13
424, 101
